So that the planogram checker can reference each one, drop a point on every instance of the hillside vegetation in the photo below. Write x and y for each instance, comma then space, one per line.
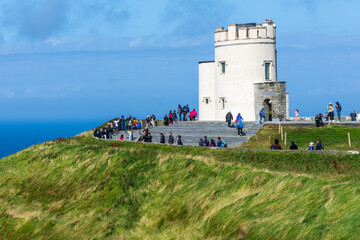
91, 189
333, 137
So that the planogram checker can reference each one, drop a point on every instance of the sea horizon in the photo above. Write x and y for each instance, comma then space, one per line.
18, 135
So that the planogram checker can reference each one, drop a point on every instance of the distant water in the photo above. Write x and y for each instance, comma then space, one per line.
16, 136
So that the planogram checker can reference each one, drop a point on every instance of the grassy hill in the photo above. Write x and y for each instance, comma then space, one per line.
89, 189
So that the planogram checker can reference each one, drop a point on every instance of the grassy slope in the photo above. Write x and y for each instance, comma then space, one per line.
333, 137
85, 188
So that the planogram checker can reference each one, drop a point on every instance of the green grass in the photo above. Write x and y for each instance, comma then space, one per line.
89, 189
332, 137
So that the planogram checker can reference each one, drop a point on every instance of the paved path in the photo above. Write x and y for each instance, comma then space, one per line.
191, 132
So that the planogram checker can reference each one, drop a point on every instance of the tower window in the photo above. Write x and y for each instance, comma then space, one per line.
222, 67
267, 71
222, 102
206, 100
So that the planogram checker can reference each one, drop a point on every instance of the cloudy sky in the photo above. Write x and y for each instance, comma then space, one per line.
94, 59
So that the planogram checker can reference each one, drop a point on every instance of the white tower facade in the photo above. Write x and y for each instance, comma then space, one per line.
245, 55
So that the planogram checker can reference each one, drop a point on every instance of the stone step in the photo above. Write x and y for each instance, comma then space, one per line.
192, 131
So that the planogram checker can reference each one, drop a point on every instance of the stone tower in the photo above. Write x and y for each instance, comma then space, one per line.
243, 77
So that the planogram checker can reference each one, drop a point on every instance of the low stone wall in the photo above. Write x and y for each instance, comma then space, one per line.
345, 118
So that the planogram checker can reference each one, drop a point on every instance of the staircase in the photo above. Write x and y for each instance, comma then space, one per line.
191, 132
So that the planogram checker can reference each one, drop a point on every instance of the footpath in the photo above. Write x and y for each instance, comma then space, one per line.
192, 131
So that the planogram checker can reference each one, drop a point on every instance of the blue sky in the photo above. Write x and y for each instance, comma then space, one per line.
93, 59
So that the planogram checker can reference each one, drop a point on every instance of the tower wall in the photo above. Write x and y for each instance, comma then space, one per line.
206, 91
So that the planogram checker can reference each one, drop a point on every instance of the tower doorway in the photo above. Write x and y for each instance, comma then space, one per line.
268, 109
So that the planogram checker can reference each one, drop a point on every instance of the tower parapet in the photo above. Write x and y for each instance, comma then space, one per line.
265, 30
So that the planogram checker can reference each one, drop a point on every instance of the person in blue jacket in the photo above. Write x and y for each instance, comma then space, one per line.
219, 143
262, 114
239, 124
338, 110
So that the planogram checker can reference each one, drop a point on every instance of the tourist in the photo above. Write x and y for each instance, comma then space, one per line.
276, 145
262, 114
180, 111
219, 143
353, 116
179, 142
170, 118
122, 137
319, 145
331, 109
174, 117
318, 120
193, 115
153, 121
121, 122
239, 124
131, 135
212, 143
116, 121
229, 118
326, 116
148, 138
311, 146
171, 138
358, 116
297, 115
139, 126
293, 146
187, 111
162, 138
166, 120
147, 119
206, 141
146, 131
201, 143
338, 110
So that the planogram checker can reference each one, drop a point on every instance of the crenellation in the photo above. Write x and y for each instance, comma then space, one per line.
246, 31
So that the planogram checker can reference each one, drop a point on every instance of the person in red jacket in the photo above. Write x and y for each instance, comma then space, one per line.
193, 115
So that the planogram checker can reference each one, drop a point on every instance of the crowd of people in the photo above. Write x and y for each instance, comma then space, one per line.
293, 146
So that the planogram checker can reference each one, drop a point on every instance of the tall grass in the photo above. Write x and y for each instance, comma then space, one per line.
333, 137
84, 188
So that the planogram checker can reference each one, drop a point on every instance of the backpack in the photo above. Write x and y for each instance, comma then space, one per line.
223, 144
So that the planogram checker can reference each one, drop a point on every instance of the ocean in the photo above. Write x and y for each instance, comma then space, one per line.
18, 135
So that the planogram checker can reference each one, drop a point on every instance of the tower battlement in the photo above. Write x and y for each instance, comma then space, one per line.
265, 30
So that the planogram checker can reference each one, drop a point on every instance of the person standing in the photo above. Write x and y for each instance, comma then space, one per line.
147, 119
338, 110
180, 111
162, 138
239, 124
170, 118
353, 116
262, 114
331, 109
187, 111
229, 118
166, 120
297, 115
171, 138
174, 116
